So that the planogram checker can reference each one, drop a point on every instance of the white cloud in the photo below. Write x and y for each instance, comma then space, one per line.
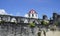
3, 12
26, 15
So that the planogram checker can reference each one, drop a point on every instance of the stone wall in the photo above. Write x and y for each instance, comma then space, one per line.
21, 29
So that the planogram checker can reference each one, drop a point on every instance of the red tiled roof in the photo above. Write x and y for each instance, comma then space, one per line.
32, 11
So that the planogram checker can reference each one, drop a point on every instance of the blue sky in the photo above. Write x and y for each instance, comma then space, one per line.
21, 7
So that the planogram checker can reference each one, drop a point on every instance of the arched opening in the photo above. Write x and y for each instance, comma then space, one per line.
13, 20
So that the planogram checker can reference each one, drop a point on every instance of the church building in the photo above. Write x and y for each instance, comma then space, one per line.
32, 14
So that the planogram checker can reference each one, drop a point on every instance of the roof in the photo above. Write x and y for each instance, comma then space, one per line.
32, 11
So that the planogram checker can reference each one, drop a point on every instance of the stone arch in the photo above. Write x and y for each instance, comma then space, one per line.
13, 20
26, 21
36, 22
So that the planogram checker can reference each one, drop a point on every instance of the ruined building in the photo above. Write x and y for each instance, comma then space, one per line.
19, 26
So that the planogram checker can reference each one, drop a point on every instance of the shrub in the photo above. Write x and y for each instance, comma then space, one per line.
44, 22
32, 24
2, 21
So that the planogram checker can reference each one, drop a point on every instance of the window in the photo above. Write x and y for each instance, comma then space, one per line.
29, 15
36, 15
32, 15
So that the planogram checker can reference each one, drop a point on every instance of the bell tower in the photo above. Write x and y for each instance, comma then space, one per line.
32, 14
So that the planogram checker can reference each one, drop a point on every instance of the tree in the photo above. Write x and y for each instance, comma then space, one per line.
45, 22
